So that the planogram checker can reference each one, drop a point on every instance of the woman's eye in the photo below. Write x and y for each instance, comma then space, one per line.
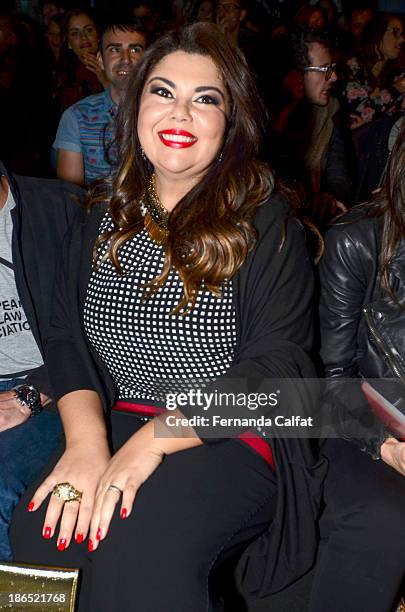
206, 99
162, 91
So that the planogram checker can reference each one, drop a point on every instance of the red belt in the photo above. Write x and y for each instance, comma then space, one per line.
248, 437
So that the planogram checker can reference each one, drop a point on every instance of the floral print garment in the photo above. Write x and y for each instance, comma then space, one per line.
364, 103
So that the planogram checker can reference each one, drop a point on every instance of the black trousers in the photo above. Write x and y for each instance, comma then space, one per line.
190, 520
362, 556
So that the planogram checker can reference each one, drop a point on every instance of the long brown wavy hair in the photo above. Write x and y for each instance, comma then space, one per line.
389, 205
210, 229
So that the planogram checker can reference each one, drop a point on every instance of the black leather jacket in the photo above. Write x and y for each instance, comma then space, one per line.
348, 274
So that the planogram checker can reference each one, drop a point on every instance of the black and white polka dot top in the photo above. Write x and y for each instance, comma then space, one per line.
148, 351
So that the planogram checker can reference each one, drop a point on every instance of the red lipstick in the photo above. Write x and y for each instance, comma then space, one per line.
177, 139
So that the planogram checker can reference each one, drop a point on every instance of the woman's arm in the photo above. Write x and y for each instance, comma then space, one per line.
347, 274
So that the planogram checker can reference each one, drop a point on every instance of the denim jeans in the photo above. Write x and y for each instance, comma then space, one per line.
24, 451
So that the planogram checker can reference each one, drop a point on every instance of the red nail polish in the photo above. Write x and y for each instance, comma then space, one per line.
61, 544
31, 506
98, 534
47, 532
79, 538
124, 513
90, 546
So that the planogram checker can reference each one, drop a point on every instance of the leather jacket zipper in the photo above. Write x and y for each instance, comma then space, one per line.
390, 358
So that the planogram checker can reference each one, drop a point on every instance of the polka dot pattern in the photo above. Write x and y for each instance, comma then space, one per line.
148, 351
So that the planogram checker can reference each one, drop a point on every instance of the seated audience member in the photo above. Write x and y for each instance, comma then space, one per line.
54, 38
147, 13
376, 83
199, 221
229, 17
358, 16
34, 214
80, 74
204, 10
309, 142
85, 131
377, 147
361, 565
49, 9
310, 17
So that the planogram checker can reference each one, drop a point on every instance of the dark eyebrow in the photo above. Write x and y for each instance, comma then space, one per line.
118, 44
170, 83
210, 88
197, 89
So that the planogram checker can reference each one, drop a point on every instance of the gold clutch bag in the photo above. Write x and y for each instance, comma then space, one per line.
36, 588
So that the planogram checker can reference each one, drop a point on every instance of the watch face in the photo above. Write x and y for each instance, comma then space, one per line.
32, 396
29, 395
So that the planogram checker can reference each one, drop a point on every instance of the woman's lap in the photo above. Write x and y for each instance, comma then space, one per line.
184, 517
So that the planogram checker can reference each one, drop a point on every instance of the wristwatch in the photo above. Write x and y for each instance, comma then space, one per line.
29, 396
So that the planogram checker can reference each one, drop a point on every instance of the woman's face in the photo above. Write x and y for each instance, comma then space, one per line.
182, 116
316, 20
392, 40
206, 11
53, 35
82, 36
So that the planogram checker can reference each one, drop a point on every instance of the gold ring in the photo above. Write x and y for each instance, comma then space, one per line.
66, 492
115, 489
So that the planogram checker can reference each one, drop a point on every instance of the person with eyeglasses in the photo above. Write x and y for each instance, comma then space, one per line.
310, 147
376, 81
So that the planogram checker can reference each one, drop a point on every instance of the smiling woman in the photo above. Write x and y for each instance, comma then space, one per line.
188, 270
80, 74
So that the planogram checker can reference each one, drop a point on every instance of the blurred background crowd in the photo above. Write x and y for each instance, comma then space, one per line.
331, 72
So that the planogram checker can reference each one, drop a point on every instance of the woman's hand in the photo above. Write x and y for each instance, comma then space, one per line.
399, 83
91, 62
82, 466
132, 465
128, 469
393, 453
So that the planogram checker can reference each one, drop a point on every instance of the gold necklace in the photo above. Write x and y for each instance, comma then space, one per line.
155, 216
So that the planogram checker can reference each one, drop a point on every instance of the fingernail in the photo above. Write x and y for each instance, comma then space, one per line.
61, 544
98, 534
124, 513
79, 538
90, 546
47, 532
31, 506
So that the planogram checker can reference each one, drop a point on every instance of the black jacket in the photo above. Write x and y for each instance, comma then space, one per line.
44, 208
273, 301
348, 273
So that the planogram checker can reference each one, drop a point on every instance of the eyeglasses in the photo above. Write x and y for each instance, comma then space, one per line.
327, 70
396, 32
